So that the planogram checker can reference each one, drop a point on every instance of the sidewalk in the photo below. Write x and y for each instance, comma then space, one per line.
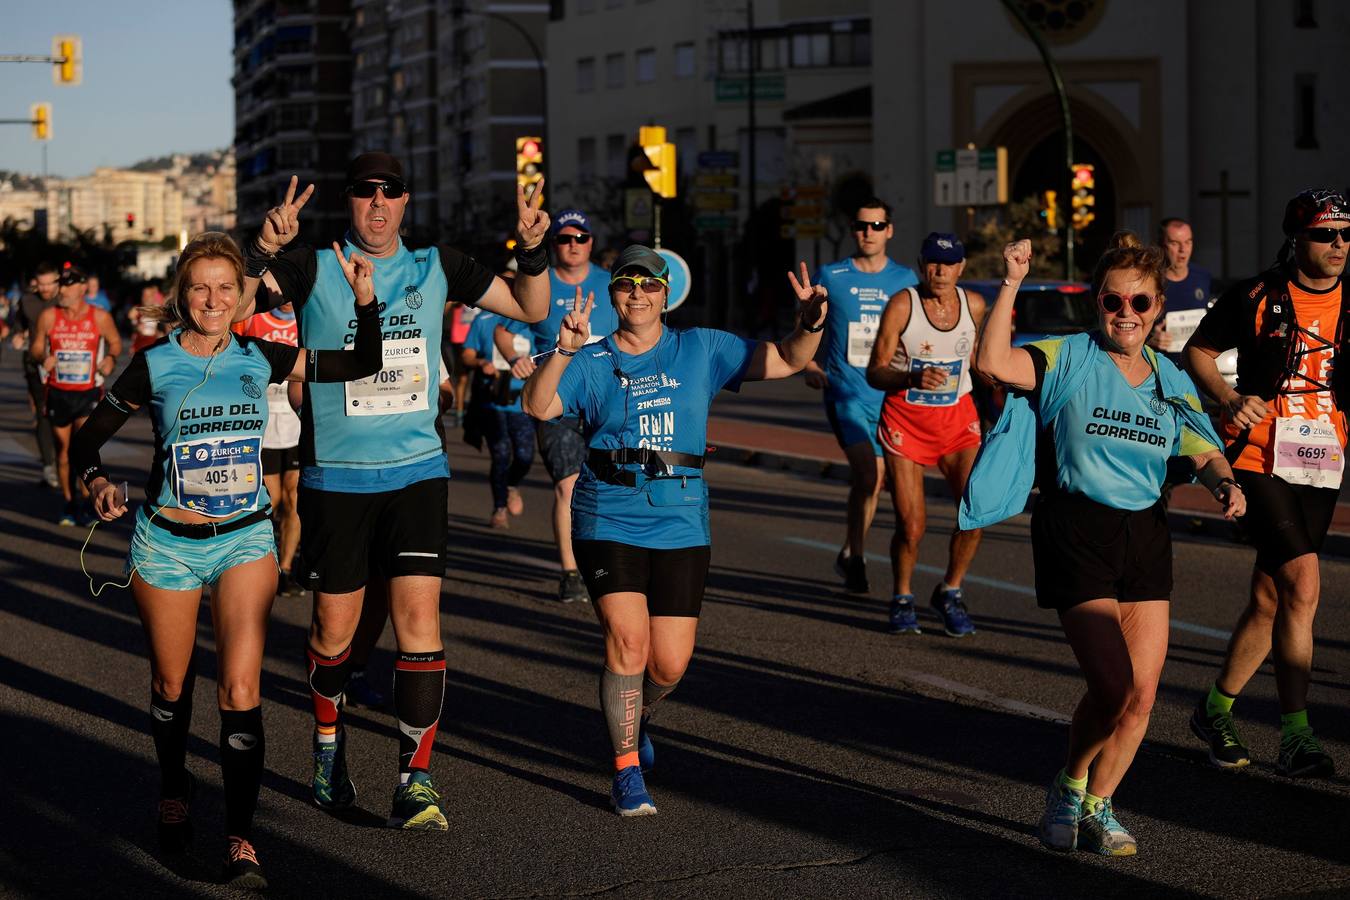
1191, 510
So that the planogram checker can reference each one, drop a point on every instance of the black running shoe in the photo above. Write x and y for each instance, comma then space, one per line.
241, 866
571, 587
1301, 756
175, 826
1226, 749
853, 569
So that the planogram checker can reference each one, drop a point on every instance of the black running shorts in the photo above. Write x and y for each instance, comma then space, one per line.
65, 407
278, 460
349, 538
562, 446
1086, 551
671, 580
1284, 520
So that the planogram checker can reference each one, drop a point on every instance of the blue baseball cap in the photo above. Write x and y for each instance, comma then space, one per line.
573, 217
940, 247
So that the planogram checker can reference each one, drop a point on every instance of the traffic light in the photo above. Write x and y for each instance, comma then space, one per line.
1083, 199
660, 154
131, 221
67, 59
40, 116
529, 163
1050, 210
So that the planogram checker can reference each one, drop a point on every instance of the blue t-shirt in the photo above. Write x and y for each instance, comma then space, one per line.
660, 400
1111, 441
100, 300
378, 433
1191, 292
563, 298
480, 341
208, 415
857, 300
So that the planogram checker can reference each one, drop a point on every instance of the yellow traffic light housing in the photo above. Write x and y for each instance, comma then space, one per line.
40, 116
67, 59
529, 162
661, 176
1050, 210
1084, 183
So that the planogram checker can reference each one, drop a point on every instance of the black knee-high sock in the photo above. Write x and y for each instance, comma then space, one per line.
242, 747
170, 721
419, 690
327, 681
653, 693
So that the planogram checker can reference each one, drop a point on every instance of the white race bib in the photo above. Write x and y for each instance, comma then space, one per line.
1308, 452
218, 477
1180, 326
948, 393
861, 337
400, 387
74, 366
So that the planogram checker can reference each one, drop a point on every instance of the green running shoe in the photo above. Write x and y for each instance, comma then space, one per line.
332, 787
1059, 823
1226, 749
416, 807
1101, 832
1301, 756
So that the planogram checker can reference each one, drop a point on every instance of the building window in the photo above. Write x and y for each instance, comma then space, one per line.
585, 6
586, 75
614, 70
644, 65
1305, 112
686, 150
1304, 14
616, 156
844, 42
684, 60
585, 159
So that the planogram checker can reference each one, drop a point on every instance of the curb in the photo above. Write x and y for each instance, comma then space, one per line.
1181, 523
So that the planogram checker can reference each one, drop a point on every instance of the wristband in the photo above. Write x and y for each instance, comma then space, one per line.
808, 329
89, 474
1222, 481
563, 351
370, 309
256, 260
533, 261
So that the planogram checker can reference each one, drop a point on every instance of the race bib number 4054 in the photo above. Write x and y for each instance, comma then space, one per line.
400, 387
1308, 452
218, 477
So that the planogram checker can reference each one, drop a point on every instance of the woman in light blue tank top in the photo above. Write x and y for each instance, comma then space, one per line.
1110, 413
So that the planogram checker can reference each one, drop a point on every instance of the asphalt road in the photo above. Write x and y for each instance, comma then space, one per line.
806, 753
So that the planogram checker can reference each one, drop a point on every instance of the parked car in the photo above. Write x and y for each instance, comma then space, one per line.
1044, 308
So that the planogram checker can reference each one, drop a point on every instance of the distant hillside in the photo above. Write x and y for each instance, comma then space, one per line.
189, 162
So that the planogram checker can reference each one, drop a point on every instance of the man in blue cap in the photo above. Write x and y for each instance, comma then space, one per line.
921, 359
561, 444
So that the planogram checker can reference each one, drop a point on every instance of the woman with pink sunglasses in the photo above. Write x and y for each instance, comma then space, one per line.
1109, 414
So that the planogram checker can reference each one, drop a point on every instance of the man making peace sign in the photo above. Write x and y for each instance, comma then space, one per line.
373, 482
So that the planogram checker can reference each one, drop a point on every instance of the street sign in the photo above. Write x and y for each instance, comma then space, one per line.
706, 200
971, 177
736, 88
715, 180
719, 159
637, 208
680, 280
714, 222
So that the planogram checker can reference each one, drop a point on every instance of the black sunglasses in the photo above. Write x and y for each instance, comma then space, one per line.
364, 190
875, 226
1327, 235
565, 239
1112, 303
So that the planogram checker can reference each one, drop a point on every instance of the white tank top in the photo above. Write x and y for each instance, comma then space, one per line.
923, 346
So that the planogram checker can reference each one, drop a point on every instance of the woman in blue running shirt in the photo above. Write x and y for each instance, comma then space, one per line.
205, 522
1111, 414
640, 508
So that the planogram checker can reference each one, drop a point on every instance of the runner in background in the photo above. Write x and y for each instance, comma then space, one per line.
508, 431
148, 329
74, 344
1188, 290
859, 288
41, 296
460, 318
922, 359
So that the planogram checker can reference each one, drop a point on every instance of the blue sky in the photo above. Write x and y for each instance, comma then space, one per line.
156, 81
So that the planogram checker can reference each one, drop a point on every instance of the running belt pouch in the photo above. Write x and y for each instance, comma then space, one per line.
674, 490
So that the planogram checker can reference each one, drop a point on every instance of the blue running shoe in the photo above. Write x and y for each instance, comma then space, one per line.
67, 519
646, 752
332, 787
360, 692
417, 806
950, 605
904, 617
1059, 823
629, 795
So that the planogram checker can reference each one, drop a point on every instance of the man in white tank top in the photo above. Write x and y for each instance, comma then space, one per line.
921, 358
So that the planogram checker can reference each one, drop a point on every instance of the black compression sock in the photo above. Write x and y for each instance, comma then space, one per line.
170, 722
242, 747
653, 693
419, 691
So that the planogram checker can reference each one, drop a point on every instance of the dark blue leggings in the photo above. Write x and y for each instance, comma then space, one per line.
510, 437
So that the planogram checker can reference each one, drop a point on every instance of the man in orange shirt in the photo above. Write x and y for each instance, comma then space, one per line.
1285, 427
